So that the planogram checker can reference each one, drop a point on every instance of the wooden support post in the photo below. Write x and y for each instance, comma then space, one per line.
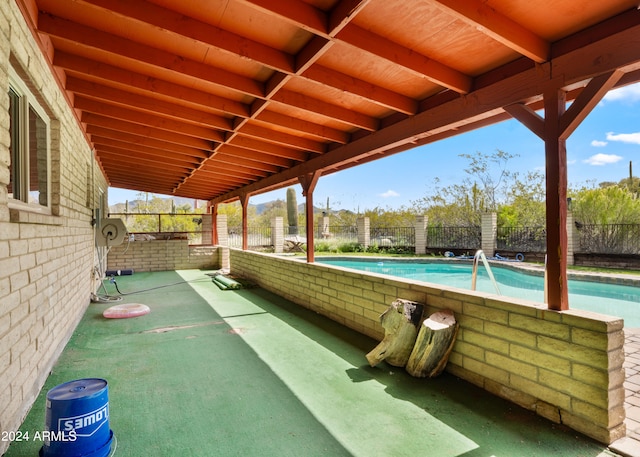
214, 225
556, 203
433, 345
400, 322
244, 200
308, 183
554, 129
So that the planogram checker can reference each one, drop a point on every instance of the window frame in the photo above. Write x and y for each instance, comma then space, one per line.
26, 101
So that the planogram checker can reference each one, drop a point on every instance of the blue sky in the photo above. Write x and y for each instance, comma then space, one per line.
599, 150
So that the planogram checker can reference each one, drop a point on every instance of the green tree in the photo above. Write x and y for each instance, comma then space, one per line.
233, 211
605, 205
277, 208
462, 204
525, 201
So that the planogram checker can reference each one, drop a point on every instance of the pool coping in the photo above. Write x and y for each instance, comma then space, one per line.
523, 267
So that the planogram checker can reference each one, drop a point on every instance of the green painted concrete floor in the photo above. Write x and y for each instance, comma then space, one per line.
246, 373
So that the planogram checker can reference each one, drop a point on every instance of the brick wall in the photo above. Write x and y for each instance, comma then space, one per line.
565, 366
46, 260
162, 255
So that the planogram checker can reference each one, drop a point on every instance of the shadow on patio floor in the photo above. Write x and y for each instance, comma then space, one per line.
247, 373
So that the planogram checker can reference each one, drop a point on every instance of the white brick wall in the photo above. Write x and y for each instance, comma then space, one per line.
46, 261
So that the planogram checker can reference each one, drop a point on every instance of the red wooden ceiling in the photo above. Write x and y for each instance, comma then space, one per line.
215, 99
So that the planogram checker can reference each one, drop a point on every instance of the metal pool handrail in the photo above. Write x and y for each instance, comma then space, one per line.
474, 274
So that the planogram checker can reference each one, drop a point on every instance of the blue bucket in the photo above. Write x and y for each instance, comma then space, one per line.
77, 420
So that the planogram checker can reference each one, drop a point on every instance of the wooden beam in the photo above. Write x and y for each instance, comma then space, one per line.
593, 59
255, 165
532, 120
183, 26
134, 148
139, 117
130, 155
252, 155
483, 17
146, 104
587, 100
325, 109
422, 65
308, 182
150, 142
146, 131
302, 14
371, 92
254, 144
125, 48
150, 86
281, 138
343, 13
304, 126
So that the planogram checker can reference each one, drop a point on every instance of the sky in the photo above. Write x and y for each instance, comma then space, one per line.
599, 150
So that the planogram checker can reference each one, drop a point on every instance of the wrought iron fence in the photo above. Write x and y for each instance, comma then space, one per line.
257, 237
341, 233
454, 237
597, 239
609, 239
525, 239
164, 226
393, 236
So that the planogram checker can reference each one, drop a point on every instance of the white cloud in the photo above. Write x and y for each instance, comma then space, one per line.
630, 93
389, 193
598, 144
603, 159
631, 138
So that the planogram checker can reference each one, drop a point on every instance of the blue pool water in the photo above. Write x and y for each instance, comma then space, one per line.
601, 297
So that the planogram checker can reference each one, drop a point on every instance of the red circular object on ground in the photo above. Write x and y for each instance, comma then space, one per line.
127, 310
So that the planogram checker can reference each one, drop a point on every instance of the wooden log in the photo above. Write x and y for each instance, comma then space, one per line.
400, 322
433, 345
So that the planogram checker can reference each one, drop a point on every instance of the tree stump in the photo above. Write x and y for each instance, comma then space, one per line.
400, 323
433, 345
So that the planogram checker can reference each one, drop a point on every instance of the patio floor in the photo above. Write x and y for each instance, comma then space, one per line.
247, 373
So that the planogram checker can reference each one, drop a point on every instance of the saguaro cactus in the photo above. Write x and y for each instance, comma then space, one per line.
292, 211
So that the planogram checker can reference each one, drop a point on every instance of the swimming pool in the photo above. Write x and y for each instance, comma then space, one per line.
620, 300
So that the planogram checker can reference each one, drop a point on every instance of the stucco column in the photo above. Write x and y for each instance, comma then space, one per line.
421, 234
364, 232
277, 235
489, 233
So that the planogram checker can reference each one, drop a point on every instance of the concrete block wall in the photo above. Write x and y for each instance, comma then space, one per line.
565, 366
46, 260
162, 255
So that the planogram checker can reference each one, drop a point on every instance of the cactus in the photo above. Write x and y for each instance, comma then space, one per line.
292, 211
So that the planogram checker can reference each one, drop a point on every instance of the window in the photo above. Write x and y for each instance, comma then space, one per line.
30, 167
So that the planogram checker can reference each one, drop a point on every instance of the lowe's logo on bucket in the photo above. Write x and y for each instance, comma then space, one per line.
85, 424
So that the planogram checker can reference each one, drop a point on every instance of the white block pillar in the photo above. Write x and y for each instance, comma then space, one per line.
277, 235
489, 233
421, 234
364, 231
